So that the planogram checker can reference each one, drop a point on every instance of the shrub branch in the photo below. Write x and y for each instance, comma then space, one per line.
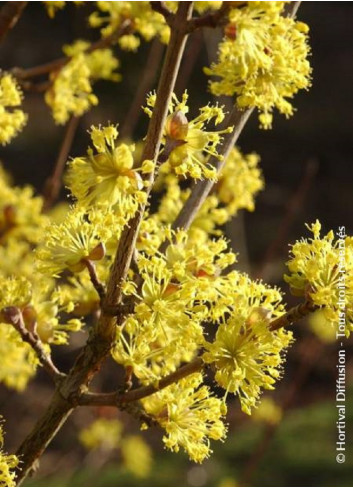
101, 338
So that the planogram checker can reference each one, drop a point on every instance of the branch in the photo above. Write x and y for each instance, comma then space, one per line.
202, 188
117, 399
165, 89
162, 9
293, 315
147, 79
56, 64
102, 337
97, 284
214, 19
9, 15
53, 184
14, 316
291, 9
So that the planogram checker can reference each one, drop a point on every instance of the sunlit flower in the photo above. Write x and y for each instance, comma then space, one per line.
321, 268
263, 59
190, 415
188, 143
7, 464
106, 176
12, 119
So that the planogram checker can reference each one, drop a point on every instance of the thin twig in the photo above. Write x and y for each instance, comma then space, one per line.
117, 398
201, 189
291, 9
193, 47
54, 182
9, 15
293, 315
162, 9
145, 84
214, 19
165, 89
14, 317
97, 284
102, 337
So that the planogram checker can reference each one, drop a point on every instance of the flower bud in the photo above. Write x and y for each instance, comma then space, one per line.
97, 253
177, 126
10, 215
29, 315
259, 314
230, 31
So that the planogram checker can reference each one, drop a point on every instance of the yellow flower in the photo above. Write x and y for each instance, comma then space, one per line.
202, 7
322, 268
20, 214
18, 360
247, 356
263, 59
143, 20
71, 90
53, 7
268, 412
7, 464
190, 415
239, 181
102, 433
107, 175
101, 62
82, 236
13, 120
137, 456
187, 143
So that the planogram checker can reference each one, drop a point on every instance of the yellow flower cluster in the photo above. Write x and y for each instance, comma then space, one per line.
20, 214
108, 191
21, 229
146, 23
321, 268
137, 456
12, 119
7, 464
190, 416
246, 354
238, 183
103, 433
106, 176
262, 60
19, 361
71, 90
178, 294
181, 291
187, 143
80, 237
106, 434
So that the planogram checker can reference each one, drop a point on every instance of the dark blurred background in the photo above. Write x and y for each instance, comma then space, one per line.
308, 172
